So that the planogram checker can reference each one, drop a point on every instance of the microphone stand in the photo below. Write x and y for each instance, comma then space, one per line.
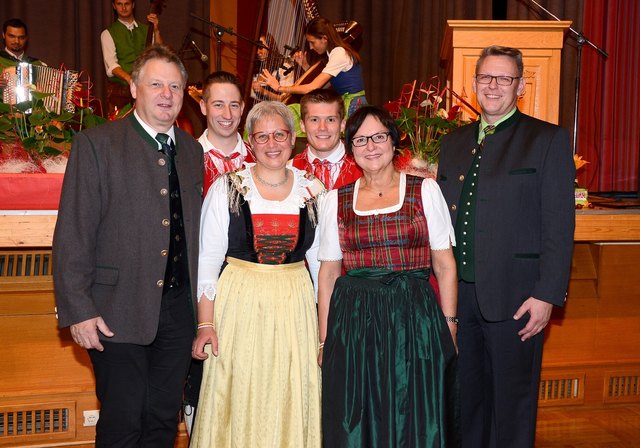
218, 31
186, 48
581, 40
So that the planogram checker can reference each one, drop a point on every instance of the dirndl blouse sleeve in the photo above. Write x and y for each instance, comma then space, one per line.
339, 61
329, 249
214, 238
441, 233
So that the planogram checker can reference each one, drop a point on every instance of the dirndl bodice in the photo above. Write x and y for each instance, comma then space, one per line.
396, 241
287, 244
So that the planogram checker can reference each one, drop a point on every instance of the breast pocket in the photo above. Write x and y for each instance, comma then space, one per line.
522, 171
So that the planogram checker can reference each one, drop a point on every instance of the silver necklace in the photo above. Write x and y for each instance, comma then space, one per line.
269, 184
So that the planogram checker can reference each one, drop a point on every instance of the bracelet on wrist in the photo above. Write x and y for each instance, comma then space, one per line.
451, 319
321, 346
205, 325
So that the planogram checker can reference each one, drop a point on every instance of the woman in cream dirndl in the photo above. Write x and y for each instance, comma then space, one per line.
257, 324
388, 361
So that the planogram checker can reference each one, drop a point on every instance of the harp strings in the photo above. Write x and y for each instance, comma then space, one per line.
285, 24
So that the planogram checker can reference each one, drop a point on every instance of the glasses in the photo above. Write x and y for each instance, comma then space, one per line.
380, 137
481, 78
263, 137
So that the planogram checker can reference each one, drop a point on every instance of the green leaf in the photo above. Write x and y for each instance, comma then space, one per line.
65, 116
53, 130
29, 142
24, 106
92, 120
5, 124
40, 95
39, 118
50, 151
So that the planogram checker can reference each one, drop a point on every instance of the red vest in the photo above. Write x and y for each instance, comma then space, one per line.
211, 172
349, 172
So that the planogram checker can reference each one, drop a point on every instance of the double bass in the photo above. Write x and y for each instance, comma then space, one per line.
155, 7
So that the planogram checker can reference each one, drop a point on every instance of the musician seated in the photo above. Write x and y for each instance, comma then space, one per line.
275, 63
15, 37
343, 69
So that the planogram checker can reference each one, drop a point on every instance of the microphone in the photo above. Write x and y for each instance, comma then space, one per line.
292, 50
287, 70
203, 57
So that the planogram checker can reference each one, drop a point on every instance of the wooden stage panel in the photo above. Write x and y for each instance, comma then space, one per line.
597, 333
591, 357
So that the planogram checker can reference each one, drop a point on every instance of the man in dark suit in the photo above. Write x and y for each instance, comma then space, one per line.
125, 255
508, 180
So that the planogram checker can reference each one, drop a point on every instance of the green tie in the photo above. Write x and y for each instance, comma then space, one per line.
488, 130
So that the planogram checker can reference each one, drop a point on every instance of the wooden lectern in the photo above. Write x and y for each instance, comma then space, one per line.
541, 45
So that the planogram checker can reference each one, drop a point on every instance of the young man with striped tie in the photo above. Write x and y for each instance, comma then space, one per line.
222, 104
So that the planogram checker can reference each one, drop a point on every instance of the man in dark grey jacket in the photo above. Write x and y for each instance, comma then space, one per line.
508, 180
125, 255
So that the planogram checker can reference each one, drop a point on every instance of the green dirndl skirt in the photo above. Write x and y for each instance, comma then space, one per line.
388, 372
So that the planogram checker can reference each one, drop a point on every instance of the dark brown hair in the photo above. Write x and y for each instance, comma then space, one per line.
357, 118
15, 23
220, 77
321, 27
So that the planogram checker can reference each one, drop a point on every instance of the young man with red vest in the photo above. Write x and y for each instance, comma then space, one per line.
322, 113
224, 149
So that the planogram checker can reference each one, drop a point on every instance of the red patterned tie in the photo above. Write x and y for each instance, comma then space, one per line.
322, 170
227, 161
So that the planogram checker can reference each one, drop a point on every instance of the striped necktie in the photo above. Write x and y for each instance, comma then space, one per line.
322, 170
488, 130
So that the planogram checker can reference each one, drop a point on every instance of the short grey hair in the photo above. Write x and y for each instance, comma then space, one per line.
158, 51
268, 109
497, 50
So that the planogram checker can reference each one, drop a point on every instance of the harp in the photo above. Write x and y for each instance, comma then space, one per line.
285, 24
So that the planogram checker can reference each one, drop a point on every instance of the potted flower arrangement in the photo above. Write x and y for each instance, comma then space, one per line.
34, 146
35, 139
423, 121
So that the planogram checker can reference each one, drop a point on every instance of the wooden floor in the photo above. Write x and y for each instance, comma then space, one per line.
613, 427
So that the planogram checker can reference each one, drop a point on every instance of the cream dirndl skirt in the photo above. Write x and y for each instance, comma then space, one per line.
263, 390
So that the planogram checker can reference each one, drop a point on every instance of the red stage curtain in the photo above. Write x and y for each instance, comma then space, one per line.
609, 111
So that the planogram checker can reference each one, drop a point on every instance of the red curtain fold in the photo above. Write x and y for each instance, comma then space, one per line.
609, 111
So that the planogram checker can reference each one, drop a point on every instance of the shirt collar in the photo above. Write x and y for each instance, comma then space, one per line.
484, 124
208, 146
152, 132
130, 25
18, 57
335, 157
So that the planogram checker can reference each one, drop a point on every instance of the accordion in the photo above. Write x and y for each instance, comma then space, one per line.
59, 83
